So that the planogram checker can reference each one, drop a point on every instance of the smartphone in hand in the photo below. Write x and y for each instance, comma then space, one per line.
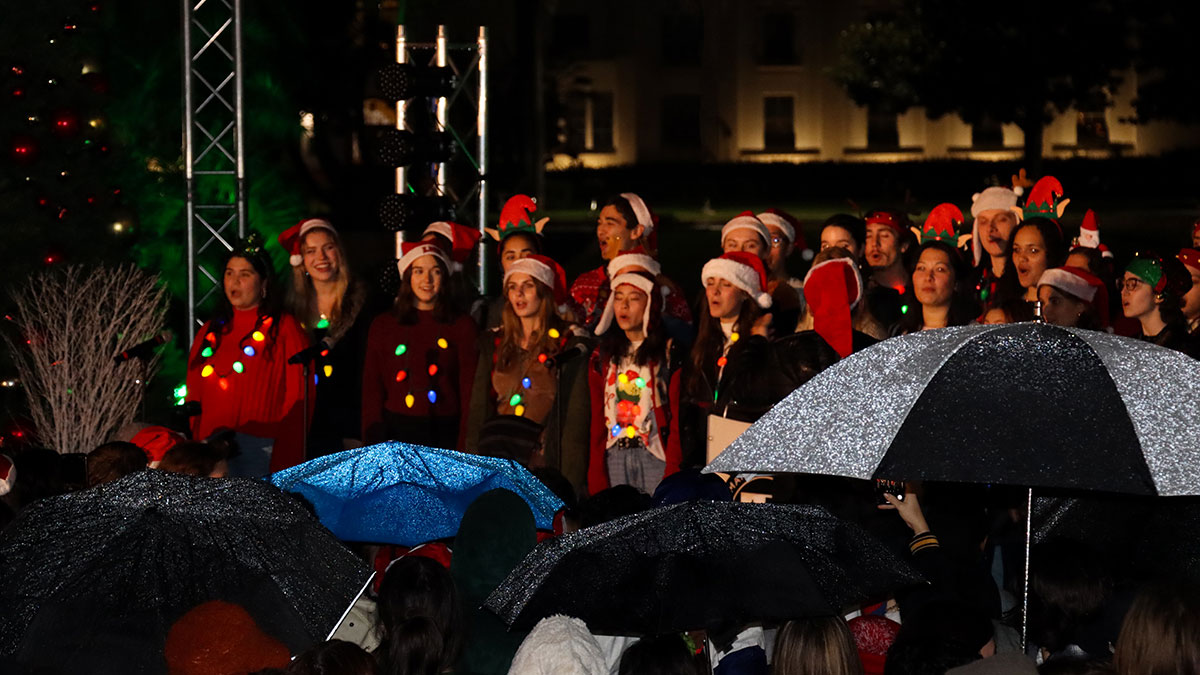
894, 488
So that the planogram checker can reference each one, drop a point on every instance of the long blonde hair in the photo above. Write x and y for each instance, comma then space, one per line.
817, 646
302, 296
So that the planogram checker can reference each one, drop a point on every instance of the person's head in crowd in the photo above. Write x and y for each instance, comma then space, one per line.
625, 223
517, 234
873, 636
994, 220
420, 619
113, 460
888, 241
1190, 258
690, 485
860, 314
155, 441
317, 258
535, 294
845, 231
496, 533
195, 458
632, 316
1161, 632
1069, 586
559, 645
735, 291
247, 278
658, 655
1090, 259
1152, 292
1035, 246
334, 657
747, 234
612, 503
221, 637
816, 646
1073, 297
36, 473
995, 314
939, 283
424, 283
939, 635
786, 236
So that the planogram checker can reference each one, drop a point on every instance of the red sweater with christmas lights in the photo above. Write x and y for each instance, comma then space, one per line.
241, 378
417, 380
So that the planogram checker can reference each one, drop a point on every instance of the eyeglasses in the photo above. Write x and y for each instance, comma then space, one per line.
1131, 284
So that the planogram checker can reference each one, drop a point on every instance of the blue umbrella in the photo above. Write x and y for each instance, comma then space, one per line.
397, 493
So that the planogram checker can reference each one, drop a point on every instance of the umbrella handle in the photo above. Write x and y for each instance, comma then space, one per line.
1025, 595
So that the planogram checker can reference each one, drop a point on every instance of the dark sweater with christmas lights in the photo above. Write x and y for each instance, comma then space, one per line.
417, 380
240, 376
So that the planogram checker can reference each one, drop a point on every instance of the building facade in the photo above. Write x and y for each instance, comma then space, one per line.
735, 81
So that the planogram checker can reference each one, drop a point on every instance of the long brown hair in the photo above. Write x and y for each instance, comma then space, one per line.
301, 299
1161, 633
405, 307
817, 646
710, 341
510, 350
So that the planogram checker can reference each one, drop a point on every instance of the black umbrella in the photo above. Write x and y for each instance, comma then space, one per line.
1027, 404
98, 577
701, 565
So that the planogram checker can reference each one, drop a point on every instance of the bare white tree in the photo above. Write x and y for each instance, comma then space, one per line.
72, 323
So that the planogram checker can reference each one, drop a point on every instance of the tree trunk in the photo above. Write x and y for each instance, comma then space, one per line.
1034, 131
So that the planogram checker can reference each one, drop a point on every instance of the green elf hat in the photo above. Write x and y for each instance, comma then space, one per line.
940, 225
516, 217
1045, 200
1149, 270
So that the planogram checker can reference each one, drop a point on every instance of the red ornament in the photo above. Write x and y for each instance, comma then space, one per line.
24, 149
65, 123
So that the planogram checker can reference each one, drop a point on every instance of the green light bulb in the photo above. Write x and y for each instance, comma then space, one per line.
238, 367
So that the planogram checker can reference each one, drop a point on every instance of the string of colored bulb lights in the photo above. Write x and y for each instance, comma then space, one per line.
433, 369
516, 397
250, 345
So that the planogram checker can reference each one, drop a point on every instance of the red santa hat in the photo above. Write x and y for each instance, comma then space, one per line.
8, 475
290, 238
743, 270
1190, 258
637, 280
996, 198
746, 220
548, 272
644, 217
411, 250
634, 257
789, 226
1081, 284
155, 441
462, 240
832, 290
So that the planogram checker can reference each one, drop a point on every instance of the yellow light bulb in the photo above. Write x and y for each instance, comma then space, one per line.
409, 400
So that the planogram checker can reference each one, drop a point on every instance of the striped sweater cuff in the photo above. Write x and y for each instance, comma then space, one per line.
923, 541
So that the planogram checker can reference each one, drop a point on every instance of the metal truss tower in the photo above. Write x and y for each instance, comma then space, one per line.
212, 144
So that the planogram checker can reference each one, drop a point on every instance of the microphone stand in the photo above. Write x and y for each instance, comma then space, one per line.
304, 412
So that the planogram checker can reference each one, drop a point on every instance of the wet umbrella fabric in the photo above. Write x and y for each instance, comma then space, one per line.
700, 565
1026, 404
397, 493
95, 579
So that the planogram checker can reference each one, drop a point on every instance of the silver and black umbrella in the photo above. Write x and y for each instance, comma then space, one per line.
701, 565
1027, 404
94, 580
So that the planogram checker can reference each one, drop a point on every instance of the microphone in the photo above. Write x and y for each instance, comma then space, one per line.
142, 350
567, 354
310, 353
